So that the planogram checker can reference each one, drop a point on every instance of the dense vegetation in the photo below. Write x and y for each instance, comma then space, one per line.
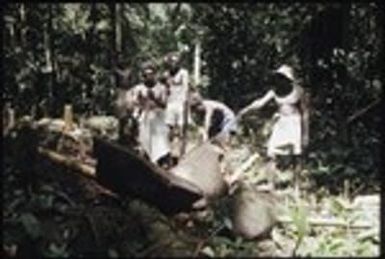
59, 53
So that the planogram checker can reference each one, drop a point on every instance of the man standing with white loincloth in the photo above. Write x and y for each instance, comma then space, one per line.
177, 110
147, 102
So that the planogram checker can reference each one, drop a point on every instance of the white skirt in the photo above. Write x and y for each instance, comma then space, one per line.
153, 134
286, 131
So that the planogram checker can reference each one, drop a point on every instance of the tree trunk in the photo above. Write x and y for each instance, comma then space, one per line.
344, 77
130, 50
51, 55
119, 16
113, 43
93, 18
48, 59
23, 27
379, 32
92, 42
197, 62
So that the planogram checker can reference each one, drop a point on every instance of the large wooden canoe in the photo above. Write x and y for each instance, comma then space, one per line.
125, 172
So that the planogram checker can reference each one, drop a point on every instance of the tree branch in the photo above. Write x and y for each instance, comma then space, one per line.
361, 112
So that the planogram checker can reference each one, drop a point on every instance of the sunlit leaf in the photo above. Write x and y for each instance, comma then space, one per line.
208, 251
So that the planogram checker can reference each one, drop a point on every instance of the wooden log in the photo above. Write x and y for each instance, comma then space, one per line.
124, 172
243, 168
201, 166
69, 162
323, 222
76, 165
253, 213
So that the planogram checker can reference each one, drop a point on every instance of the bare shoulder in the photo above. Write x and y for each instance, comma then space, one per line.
160, 86
215, 104
138, 87
184, 72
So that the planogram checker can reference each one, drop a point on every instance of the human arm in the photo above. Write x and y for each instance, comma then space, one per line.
259, 103
305, 112
158, 97
207, 119
185, 82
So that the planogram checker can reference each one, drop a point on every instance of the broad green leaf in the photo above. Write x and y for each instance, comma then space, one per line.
31, 225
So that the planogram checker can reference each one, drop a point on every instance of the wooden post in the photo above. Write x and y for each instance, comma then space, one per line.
11, 114
48, 45
68, 117
23, 22
347, 189
184, 129
118, 25
197, 62
113, 41
8, 118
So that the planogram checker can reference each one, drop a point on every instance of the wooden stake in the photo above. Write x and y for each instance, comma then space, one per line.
11, 114
68, 117
197, 62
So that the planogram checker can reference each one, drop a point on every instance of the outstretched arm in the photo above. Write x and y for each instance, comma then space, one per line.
207, 120
259, 103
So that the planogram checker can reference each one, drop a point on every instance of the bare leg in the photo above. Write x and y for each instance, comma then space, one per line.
297, 168
271, 170
175, 142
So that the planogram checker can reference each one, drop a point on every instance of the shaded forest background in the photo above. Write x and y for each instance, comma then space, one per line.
59, 53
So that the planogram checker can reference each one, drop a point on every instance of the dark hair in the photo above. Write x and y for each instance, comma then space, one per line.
282, 85
172, 54
148, 65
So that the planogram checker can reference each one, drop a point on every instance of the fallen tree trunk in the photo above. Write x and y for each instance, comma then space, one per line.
77, 166
243, 168
125, 172
69, 162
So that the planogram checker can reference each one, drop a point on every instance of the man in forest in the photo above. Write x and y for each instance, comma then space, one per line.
128, 126
215, 117
146, 102
177, 79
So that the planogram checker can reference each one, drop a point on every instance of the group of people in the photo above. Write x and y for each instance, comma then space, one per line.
163, 105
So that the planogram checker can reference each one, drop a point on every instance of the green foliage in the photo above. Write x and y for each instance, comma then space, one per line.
299, 216
334, 48
31, 225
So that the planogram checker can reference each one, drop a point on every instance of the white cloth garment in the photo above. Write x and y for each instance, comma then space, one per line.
229, 123
177, 98
287, 128
153, 132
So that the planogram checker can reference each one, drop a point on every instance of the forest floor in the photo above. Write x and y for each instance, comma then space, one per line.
65, 214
